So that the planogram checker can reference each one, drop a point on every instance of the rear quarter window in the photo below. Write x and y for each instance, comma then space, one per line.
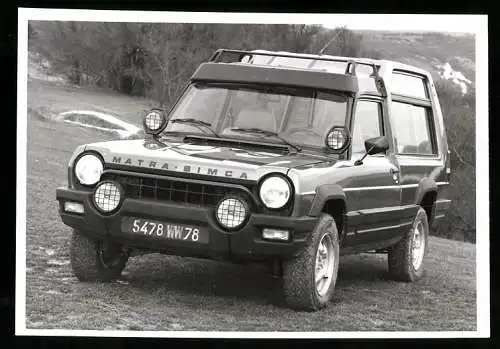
408, 85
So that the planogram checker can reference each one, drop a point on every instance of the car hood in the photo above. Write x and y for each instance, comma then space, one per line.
223, 161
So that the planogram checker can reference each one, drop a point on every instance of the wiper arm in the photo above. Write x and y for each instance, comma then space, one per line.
197, 123
266, 133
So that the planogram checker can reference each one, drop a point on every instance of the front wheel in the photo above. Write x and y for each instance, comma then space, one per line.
309, 279
406, 258
96, 260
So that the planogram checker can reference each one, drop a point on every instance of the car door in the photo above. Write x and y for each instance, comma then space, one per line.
373, 192
418, 149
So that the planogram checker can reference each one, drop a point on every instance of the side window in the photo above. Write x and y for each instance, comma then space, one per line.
367, 124
410, 125
408, 85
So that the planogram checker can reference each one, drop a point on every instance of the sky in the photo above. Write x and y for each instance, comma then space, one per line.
396, 22
439, 23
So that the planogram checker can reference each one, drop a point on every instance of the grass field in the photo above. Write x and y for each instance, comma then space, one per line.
159, 292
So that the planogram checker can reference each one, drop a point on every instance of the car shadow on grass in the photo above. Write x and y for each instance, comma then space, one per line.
190, 279
363, 268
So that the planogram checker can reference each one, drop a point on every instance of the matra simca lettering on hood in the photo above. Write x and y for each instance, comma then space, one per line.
230, 162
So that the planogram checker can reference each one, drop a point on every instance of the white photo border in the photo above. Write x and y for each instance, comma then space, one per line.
476, 24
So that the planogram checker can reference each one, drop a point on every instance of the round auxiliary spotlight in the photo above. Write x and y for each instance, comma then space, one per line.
232, 212
154, 121
337, 139
107, 196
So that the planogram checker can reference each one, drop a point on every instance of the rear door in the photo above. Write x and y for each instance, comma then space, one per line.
373, 192
418, 149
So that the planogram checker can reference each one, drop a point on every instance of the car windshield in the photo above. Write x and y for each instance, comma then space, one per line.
276, 114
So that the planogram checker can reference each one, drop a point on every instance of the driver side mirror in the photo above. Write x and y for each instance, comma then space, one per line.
374, 146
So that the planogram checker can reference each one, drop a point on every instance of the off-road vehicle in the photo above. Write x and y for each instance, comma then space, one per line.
287, 159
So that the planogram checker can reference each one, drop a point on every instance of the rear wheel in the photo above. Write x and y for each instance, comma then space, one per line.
406, 258
309, 279
96, 260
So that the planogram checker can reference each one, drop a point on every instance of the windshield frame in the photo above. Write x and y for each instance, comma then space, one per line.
282, 89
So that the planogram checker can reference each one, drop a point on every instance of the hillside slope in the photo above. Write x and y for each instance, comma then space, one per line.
435, 52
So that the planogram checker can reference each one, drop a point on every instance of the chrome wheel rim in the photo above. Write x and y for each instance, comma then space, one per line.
418, 246
325, 262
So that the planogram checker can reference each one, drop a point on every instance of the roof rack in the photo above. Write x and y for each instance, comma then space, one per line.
221, 54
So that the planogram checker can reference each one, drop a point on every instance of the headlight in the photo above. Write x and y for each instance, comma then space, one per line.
88, 169
275, 192
154, 121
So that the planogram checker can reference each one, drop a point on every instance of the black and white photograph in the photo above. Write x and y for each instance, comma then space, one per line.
190, 174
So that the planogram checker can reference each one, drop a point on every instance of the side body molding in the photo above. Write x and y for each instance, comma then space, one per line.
323, 194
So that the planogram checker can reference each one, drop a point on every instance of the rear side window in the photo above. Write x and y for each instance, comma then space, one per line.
408, 85
411, 128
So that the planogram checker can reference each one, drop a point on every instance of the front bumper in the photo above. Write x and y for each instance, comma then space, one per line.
245, 243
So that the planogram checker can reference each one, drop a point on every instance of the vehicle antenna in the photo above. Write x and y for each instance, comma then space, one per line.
329, 42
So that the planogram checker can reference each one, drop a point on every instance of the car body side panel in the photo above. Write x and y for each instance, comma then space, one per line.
421, 174
374, 209
372, 197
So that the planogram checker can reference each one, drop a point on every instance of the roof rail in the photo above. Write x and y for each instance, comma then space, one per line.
218, 55
350, 68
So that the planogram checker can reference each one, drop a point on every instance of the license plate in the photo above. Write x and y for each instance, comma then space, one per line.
162, 230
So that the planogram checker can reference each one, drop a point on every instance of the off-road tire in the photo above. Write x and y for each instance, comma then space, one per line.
299, 272
400, 255
86, 262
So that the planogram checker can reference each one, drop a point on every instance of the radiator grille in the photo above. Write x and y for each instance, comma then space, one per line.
161, 189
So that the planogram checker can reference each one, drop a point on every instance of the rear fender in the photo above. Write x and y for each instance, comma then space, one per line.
425, 186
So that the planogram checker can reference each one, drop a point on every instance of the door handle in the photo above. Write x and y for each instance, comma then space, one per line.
395, 174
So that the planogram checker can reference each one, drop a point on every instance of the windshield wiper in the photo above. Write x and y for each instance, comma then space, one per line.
266, 133
197, 123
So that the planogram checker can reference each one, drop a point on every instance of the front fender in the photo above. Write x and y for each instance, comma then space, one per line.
323, 194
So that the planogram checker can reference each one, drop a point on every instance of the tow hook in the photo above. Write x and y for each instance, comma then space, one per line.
276, 269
